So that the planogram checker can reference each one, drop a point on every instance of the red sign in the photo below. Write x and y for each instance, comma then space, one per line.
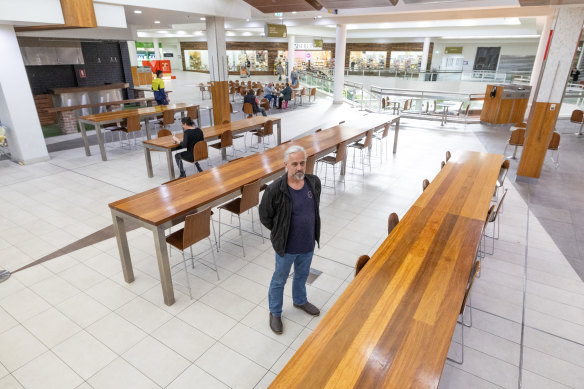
82, 73
155, 65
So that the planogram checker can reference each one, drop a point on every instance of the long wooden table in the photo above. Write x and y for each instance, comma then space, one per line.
167, 145
162, 207
98, 119
392, 326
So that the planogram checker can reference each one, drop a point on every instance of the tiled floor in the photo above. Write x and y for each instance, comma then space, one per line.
73, 321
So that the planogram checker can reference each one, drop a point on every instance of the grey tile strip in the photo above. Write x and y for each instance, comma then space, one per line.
521, 346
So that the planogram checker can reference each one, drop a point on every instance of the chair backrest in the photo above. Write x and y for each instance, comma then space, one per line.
442, 164
303, 92
319, 130
493, 215
382, 103
473, 274
517, 137
293, 95
520, 125
164, 132
310, 161
406, 105
448, 155
425, 184
250, 196
503, 171
392, 221
361, 262
226, 139
265, 103
193, 112
168, 117
341, 152
230, 108
133, 123
368, 139
197, 227
555, 141
200, 151
248, 109
385, 130
577, 116
268, 128
313, 92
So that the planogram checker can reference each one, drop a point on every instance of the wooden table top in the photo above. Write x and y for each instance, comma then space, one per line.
167, 202
215, 131
118, 115
393, 324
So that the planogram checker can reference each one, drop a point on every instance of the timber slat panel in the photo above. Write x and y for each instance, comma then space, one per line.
393, 324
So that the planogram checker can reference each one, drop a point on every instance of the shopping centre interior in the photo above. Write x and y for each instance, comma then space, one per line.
481, 98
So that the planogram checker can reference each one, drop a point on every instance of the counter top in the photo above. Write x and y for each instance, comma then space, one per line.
118, 85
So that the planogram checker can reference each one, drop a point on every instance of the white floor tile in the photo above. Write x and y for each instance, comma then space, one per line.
532, 380
24, 304
255, 346
116, 333
84, 354
156, 361
144, 314
183, 339
83, 309
18, 347
266, 381
55, 290
245, 288
6, 321
258, 319
230, 367
47, 372
195, 374
51, 327
228, 303
110, 294
120, 375
454, 378
207, 319
9, 382
552, 368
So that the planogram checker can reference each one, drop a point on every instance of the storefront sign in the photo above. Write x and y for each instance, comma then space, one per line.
308, 55
318, 43
306, 46
82, 73
453, 50
276, 31
168, 55
146, 45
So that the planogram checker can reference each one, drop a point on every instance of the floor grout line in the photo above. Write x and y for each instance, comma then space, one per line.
520, 380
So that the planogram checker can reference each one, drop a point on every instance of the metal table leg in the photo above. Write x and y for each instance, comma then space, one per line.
123, 247
101, 142
84, 135
147, 127
580, 129
170, 163
148, 161
395, 135
279, 133
164, 265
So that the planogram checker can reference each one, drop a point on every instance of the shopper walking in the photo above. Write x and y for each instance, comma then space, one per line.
158, 88
279, 71
290, 210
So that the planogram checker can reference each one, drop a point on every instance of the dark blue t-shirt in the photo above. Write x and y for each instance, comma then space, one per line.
302, 222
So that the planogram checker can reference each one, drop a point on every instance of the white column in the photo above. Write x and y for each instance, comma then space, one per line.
340, 48
425, 54
132, 53
217, 48
156, 49
580, 57
546, 23
290, 60
17, 109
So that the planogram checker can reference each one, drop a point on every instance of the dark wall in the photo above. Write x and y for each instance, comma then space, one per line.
105, 63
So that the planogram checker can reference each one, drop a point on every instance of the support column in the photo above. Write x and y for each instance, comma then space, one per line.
218, 70
566, 28
132, 53
546, 23
425, 54
156, 49
340, 49
17, 109
290, 59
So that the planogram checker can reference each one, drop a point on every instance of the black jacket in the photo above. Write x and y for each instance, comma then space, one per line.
276, 210
190, 138
252, 100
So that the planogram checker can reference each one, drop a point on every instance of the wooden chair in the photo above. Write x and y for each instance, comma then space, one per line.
501, 179
200, 153
442, 164
381, 137
267, 130
231, 109
475, 269
493, 218
554, 145
577, 116
310, 162
196, 228
425, 184
225, 142
448, 155
167, 118
361, 146
516, 139
132, 125
361, 262
333, 160
193, 113
392, 222
266, 104
250, 198
247, 110
312, 95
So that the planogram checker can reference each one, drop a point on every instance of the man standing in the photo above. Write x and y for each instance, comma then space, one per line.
279, 71
289, 209
158, 88
575, 74
294, 77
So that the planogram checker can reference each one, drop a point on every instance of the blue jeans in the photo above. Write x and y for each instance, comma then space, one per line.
272, 99
301, 269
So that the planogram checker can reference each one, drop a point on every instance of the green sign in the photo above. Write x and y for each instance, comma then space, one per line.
318, 43
276, 31
453, 50
147, 45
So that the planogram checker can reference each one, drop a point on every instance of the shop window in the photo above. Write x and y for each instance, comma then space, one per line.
359, 60
256, 60
303, 59
405, 60
196, 59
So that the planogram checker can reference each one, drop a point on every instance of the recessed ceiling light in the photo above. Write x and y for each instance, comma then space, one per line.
137, 11
247, 20
281, 18
162, 32
293, 12
157, 22
319, 16
181, 32
203, 19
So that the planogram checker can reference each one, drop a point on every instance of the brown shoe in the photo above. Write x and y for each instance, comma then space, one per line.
309, 308
276, 324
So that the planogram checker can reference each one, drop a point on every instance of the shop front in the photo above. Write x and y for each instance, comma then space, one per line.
405, 61
360, 60
255, 60
309, 59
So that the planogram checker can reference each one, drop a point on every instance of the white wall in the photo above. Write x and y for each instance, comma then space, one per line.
469, 50
31, 12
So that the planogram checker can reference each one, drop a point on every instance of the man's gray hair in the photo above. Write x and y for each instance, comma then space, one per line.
293, 149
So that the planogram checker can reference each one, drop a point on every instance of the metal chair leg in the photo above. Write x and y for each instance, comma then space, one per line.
215, 235
187, 275
213, 254
241, 235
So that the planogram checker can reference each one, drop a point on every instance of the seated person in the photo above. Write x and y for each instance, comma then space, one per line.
255, 104
270, 93
286, 95
191, 136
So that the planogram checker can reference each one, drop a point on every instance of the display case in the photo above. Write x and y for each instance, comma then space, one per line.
196, 59
367, 60
406, 60
258, 60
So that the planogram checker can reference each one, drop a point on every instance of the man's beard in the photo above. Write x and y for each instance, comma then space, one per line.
298, 176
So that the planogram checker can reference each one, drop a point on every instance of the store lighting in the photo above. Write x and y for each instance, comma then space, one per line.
157, 22
247, 20
162, 32
247, 33
491, 37
203, 19
293, 12
281, 18
181, 32
319, 16
137, 11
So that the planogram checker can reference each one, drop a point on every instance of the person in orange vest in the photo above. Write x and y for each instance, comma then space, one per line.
158, 88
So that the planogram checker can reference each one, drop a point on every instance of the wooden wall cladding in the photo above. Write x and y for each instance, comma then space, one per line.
538, 137
220, 96
519, 111
504, 113
491, 105
76, 14
42, 103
